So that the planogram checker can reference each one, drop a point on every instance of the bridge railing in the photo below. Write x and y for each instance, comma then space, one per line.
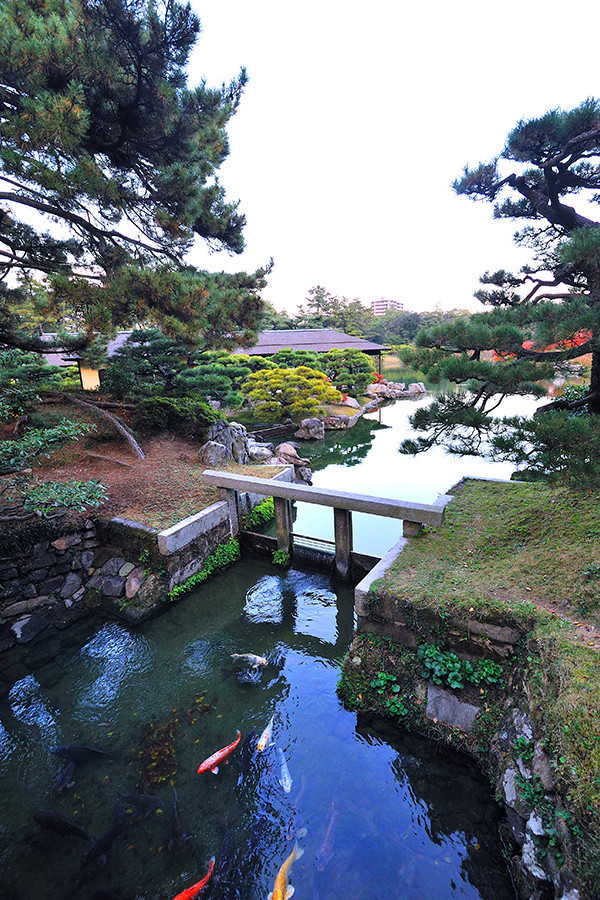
415, 515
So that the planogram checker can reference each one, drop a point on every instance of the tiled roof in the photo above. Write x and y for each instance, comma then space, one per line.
66, 358
319, 340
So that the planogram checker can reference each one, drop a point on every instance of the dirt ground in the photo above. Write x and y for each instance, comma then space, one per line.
157, 491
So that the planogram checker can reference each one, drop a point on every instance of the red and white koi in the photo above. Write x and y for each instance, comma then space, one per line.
281, 889
195, 889
219, 756
265, 738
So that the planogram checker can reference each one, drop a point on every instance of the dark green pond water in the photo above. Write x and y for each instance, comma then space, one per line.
402, 818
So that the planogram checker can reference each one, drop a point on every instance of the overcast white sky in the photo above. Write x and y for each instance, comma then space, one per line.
355, 121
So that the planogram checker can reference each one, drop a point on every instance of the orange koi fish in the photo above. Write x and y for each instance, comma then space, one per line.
281, 889
219, 756
197, 888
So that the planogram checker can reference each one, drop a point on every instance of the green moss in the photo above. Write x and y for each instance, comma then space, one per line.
223, 556
263, 512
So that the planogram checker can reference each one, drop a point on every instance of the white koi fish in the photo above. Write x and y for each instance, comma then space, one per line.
251, 658
286, 779
265, 738
281, 889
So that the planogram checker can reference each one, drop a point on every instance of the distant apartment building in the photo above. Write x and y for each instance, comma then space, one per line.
382, 306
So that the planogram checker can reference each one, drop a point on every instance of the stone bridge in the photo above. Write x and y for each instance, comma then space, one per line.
414, 515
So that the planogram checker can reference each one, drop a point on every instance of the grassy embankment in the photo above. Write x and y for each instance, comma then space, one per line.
527, 556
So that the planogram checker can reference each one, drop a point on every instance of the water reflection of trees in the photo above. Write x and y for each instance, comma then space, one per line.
342, 448
452, 803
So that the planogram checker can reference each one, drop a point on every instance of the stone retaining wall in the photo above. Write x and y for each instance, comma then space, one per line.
523, 780
115, 566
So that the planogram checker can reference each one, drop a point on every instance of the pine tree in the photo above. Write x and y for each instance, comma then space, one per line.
539, 318
108, 169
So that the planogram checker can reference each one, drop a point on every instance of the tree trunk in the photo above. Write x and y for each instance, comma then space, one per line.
133, 444
594, 404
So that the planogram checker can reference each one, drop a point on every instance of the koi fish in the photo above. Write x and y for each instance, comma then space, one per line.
265, 738
212, 762
144, 803
102, 845
78, 753
197, 888
281, 889
286, 779
65, 777
224, 859
180, 838
325, 852
52, 821
251, 658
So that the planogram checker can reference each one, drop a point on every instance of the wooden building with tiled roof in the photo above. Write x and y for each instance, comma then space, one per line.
316, 340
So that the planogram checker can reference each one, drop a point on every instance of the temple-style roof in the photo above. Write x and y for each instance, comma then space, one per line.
318, 340
58, 357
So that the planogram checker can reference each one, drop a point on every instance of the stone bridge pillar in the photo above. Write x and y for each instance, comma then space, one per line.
283, 523
342, 524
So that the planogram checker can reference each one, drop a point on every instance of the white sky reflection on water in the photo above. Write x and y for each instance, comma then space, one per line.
384, 472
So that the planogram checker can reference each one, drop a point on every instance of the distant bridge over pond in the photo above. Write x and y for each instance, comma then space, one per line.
414, 515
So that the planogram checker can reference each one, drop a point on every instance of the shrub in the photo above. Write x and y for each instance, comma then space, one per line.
299, 393
281, 558
184, 416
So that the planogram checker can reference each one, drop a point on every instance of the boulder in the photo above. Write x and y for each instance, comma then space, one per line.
304, 474
113, 586
213, 455
260, 452
311, 430
135, 579
71, 585
233, 437
26, 606
27, 628
335, 423
417, 387
351, 402
288, 453
64, 543
112, 565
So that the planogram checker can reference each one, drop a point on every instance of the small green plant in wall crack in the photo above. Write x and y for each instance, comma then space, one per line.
524, 748
387, 687
281, 558
445, 667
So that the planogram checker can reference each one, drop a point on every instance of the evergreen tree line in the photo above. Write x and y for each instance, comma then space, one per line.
325, 310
